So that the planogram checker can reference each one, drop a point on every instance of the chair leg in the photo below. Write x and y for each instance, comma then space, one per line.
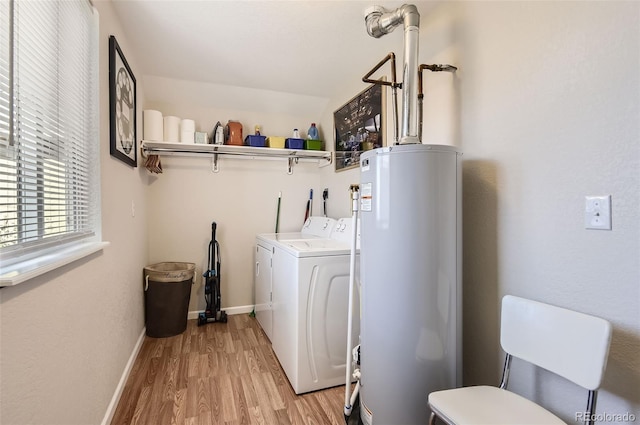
432, 419
591, 407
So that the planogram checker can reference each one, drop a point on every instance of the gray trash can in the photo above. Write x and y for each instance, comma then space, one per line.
167, 289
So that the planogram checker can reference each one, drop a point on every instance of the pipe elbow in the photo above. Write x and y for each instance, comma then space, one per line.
410, 15
379, 21
374, 29
372, 21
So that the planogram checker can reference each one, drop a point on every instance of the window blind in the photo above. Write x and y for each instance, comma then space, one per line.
5, 67
49, 156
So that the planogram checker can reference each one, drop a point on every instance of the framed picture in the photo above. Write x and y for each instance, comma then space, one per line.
359, 126
122, 106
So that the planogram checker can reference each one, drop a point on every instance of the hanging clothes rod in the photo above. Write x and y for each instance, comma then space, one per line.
240, 152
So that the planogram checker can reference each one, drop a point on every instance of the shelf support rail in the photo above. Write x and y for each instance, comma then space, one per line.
292, 156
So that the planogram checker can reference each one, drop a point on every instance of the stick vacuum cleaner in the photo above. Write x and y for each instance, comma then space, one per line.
212, 296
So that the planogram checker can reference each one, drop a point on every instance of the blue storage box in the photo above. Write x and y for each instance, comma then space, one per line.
292, 143
255, 141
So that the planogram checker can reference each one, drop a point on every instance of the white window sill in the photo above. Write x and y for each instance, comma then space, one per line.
22, 271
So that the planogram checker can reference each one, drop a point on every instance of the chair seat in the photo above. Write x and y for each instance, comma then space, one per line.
485, 405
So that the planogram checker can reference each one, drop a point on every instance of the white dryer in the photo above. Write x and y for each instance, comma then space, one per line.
310, 306
313, 228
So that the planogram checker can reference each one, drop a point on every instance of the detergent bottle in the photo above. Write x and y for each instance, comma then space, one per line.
312, 134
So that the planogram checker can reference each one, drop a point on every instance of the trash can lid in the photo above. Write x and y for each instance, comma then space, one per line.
170, 271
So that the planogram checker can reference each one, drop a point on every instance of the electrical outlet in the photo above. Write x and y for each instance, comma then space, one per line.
597, 212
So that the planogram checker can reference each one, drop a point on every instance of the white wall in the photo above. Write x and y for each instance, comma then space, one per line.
66, 336
549, 96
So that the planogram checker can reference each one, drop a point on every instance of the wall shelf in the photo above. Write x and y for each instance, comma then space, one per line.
292, 156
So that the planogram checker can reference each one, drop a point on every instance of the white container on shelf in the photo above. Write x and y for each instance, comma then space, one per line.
187, 137
153, 127
172, 129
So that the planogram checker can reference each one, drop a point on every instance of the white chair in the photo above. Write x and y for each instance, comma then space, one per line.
571, 344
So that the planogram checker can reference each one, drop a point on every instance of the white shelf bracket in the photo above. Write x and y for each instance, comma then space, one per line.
327, 161
290, 164
214, 163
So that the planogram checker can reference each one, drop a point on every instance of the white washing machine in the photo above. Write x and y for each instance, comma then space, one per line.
313, 228
310, 307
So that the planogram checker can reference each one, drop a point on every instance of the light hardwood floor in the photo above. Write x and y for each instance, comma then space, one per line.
219, 374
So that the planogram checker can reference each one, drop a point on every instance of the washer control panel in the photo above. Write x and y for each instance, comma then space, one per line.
343, 231
318, 226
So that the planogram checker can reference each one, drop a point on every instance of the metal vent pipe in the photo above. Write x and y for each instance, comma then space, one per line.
380, 22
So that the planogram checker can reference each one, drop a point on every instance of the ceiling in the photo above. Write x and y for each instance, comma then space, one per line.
301, 47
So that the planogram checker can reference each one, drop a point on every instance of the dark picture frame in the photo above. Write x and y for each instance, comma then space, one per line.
359, 126
122, 107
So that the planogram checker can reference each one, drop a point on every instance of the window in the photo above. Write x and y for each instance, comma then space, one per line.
49, 131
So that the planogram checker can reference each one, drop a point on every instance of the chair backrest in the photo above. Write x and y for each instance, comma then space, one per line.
571, 344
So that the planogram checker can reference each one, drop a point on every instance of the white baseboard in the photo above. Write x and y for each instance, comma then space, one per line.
242, 309
111, 409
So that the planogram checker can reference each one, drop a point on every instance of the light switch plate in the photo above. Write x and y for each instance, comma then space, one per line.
597, 212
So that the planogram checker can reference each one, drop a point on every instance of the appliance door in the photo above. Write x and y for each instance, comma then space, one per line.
262, 281
286, 313
327, 311
410, 280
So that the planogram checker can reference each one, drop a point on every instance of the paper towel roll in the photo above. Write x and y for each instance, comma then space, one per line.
152, 125
187, 125
172, 129
187, 137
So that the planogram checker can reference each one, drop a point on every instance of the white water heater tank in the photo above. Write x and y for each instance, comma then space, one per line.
410, 262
